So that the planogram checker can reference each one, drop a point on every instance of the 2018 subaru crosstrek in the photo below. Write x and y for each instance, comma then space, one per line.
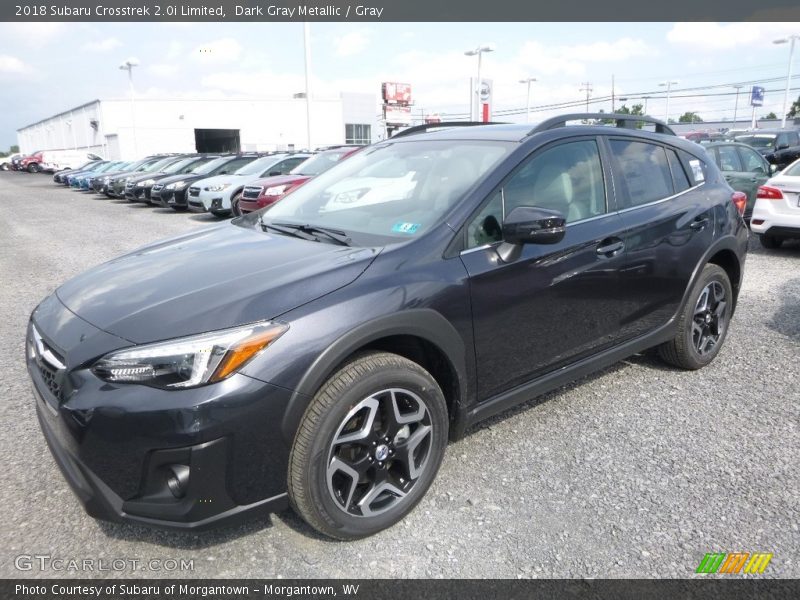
321, 352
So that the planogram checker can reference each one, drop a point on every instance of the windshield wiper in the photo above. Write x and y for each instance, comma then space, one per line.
340, 237
285, 231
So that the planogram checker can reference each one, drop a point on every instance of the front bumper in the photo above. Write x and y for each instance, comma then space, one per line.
115, 445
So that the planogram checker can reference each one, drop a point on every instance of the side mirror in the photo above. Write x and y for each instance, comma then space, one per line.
530, 225
773, 169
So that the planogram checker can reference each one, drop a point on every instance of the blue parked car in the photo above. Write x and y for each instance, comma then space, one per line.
78, 180
70, 179
85, 182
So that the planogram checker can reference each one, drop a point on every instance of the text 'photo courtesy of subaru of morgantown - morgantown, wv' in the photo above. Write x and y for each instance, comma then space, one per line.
368, 304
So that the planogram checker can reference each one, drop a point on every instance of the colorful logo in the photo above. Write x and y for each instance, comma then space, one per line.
734, 562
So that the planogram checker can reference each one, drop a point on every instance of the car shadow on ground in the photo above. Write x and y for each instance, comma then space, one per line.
185, 540
786, 320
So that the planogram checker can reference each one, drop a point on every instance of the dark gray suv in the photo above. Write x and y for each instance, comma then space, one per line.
322, 352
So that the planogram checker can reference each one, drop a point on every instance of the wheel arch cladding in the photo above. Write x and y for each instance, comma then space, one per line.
421, 335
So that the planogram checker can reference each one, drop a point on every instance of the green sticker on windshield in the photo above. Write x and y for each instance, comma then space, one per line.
410, 228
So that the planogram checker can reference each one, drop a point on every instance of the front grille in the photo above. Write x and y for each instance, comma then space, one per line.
194, 191
48, 362
251, 193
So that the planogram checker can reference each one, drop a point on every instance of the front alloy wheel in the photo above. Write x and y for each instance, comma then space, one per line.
368, 447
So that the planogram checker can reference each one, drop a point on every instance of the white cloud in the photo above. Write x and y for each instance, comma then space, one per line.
219, 51
162, 69
35, 33
102, 45
713, 36
11, 64
350, 44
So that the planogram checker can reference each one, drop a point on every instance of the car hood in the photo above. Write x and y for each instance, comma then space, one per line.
191, 177
222, 179
279, 180
210, 279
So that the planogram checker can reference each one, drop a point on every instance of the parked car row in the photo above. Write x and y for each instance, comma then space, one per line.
200, 182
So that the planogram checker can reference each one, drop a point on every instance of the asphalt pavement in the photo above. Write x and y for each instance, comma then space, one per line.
637, 471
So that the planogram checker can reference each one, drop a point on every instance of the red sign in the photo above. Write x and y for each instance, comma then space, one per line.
396, 93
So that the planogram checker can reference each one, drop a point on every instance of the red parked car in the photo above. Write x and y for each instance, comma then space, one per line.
31, 163
269, 190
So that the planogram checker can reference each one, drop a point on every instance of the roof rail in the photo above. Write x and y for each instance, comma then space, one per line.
445, 125
622, 120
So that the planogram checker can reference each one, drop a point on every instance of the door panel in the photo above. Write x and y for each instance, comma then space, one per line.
555, 304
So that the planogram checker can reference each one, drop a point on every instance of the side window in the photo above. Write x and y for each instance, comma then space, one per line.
567, 177
679, 178
696, 169
728, 159
644, 169
752, 161
485, 228
794, 138
783, 140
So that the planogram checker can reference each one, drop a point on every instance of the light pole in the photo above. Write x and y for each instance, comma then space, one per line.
529, 80
128, 66
791, 40
736, 104
668, 84
477, 91
645, 98
307, 55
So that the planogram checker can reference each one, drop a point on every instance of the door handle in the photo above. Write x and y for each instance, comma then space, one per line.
699, 224
610, 247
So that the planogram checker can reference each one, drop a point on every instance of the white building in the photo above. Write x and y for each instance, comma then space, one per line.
121, 129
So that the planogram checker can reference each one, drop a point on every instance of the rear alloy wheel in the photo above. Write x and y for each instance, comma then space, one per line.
368, 447
703, 324
770, 241
33, 168
235, 204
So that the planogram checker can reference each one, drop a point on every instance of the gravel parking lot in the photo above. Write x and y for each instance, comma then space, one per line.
637, 471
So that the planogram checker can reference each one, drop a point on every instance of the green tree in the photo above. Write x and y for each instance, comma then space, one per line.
771, 115
795, 109
14, 149
690, 117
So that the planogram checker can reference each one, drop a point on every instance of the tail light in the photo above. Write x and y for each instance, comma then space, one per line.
739, 200
767, 192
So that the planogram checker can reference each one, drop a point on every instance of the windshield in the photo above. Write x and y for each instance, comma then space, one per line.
181, 164
159, 164
106, 167
757, 141
259, 165
210, 166
393, 191
319, 163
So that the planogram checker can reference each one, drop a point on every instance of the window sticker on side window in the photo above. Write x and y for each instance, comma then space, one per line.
697, 170
410, 228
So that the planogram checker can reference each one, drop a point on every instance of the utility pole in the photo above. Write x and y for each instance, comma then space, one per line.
586, 87
613, 108
736, 104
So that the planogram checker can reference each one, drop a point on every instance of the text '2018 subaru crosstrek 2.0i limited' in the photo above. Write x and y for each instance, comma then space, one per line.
322, 352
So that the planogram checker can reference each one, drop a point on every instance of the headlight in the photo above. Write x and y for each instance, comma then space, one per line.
177, 185
190, 361
106, 179
145, 183
275, 190
219, 187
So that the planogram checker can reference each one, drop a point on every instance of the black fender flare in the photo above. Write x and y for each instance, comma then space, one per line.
422, 323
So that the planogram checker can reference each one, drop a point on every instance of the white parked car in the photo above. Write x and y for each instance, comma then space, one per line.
776, 214
5, 162
215, 193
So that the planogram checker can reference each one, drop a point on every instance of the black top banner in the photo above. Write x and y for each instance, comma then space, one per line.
398, 10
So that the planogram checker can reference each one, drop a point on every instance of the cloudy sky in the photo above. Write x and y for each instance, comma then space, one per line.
46, 68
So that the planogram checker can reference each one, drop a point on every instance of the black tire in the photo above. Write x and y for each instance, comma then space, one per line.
770, 241
235, 204
702, 330
382, 379
4, 167
33, 168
